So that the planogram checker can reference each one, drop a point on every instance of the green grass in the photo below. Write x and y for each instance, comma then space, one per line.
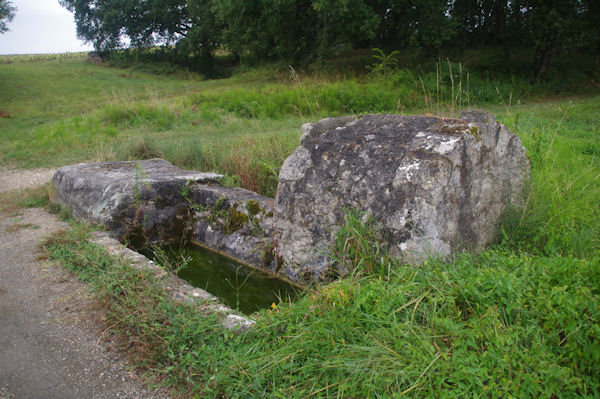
67, 111
498, 324
521, 319
71, 111
562, 215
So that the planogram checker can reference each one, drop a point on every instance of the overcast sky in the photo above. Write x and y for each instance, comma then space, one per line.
40, 26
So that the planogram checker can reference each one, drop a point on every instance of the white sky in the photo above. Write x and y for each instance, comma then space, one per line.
41, 26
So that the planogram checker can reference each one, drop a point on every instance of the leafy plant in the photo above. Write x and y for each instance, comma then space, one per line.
385, 63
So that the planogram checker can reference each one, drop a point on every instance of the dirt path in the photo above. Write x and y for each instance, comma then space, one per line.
53, 342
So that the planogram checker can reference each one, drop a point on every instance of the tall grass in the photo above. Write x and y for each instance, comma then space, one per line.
360, 248
562, 210
496, 324
21, 58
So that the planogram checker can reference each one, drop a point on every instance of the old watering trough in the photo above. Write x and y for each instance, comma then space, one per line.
436, 185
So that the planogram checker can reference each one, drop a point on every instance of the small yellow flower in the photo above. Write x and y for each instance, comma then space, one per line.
273, 306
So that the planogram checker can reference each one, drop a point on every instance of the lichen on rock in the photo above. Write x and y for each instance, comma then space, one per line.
437, 185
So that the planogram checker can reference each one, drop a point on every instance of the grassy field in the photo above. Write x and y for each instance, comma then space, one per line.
521, 319
66, 110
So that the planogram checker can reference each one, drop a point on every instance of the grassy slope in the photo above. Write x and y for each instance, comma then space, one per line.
521, 319
73, 111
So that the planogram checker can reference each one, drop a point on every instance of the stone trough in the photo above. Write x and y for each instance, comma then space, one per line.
436, 185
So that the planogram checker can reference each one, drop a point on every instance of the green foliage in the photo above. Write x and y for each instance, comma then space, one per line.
299, 32
253, 208
7, 14
165, 335
224, 214
384, 62
313, 102
169, 260
136, 115
28, 198
520, 319
492, 325
293, 31
243, 127
142, 147
558, 25
35, 202
104, 23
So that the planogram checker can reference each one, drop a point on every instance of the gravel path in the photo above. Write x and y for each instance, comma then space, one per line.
23, 179
53, 340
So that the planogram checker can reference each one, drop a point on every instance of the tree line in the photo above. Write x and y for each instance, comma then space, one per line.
303, 30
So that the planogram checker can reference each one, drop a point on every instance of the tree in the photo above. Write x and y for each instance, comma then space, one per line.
269, 29
7, 13
294, 30
350, 22
298, 31
558, 25
106, 23
433, 27
203, 31
109, 24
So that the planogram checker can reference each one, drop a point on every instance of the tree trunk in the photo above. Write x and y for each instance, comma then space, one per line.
542, 60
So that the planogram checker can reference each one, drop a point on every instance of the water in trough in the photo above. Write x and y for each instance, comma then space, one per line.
235, 284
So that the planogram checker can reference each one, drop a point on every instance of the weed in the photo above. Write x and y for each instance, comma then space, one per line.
360, 248
29, 198
528, 324
38, 202
253, 208
237, 285
223, 213
124, 115
169, 261
63, 212
561, 211
385, 63
139, 148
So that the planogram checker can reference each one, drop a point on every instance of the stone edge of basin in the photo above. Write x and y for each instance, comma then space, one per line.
177, 288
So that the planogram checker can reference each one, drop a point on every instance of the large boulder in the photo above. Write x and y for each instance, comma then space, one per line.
139, 201
436, 185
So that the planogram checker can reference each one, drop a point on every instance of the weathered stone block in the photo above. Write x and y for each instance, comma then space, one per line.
235, 221
437, 185
140, 201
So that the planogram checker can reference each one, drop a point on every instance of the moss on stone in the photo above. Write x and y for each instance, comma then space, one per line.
268, 255
475, 133
253, 208
235, 220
